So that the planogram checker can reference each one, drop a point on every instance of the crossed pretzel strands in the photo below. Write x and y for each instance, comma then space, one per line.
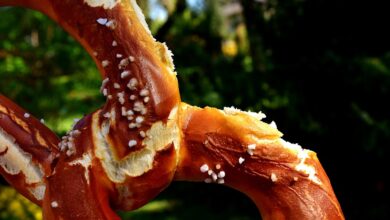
128, 151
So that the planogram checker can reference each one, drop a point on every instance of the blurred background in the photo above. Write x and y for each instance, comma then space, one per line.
319, 68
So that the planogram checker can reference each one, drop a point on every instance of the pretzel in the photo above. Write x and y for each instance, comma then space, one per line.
125, 153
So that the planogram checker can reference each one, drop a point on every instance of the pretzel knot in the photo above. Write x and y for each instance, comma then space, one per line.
125, 153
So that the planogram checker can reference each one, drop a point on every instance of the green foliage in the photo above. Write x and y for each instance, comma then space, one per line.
45, 70
14, 206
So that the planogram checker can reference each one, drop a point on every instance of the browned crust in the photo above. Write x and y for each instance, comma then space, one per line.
209, 136
292, 196
79, 191
76, 199
146, 187
33, 138
147, 67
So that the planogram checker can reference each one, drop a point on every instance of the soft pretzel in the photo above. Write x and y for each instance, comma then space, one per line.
143, 138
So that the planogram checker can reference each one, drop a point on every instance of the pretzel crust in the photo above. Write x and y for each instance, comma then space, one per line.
128, 151
271, 174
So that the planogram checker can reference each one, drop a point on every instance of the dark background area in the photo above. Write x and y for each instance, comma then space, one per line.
319, 69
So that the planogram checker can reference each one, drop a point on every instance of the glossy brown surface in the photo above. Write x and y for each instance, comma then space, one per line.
291, 196
83, 173
32, 137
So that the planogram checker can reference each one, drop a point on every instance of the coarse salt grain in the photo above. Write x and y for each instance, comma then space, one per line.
214, 176
54, 204
123, 63
204, 168
251, 148
105, 63
125, 74
273, 124
130, 112
111, 24
274, 178
132, 143
102, 21
132, 83
139, 119
144, 92
221, 174
132, 125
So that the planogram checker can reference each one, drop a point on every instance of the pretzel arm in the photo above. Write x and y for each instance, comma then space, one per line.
28, 150
78, 187
233, 147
